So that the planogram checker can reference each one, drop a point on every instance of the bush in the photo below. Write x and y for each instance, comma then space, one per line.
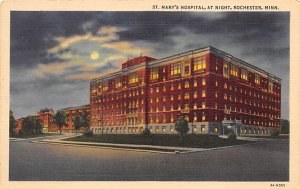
146, 132
231, 136
275, 133
88, 133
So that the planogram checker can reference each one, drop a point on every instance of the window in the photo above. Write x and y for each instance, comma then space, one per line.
186, 84
186, 96
156, 99
202, 128
172, 87
200, 64
195, 83
195, 94
195, 106
154, 73
157, 89
172, 118
157, 129
203, 82
171, 128
234, 70
179, 86
118, 82
164, 88
172, 97
226, 69
203, 105
225, 85
175, 69
164, 118
163, 129
133, 79
195, 116
179, 97
216, 129
270, 86
203, 116
164, 108
164, 99
172, 108
244, 74
203, 93
257, 79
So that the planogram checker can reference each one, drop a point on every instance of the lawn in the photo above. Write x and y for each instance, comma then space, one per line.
191, 140
268, 137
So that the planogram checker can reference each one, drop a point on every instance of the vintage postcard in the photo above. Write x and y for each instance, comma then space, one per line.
143, 94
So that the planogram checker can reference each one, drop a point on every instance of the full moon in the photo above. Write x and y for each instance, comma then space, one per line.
94, 55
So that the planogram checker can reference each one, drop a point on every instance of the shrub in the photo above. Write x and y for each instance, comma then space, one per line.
231, 136
146, 132
88, 133
275, 133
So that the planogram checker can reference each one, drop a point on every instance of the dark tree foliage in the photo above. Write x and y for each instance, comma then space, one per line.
285, 126
77, 123
85, 121
12, 123
60, 119
181, 126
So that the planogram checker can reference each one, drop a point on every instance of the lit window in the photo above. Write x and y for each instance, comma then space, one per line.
216, 94
133, 78
257, 79
154, 73
216, 129
203, 81
179, 86
172, 108
157, 129
156, 109
195, 94
234, 70
195, 117
225, 96
157, 89
186, 96
179, 97
200, 64
156, 99
164, 88
203, 105
195, 83
226, 69
172, 97
164, 99
195, 106
203, 93
172, 118
203, 116
164, 119
225, 85
164, 108
175, 69
244, 74
186, 84
172, 87
202, 128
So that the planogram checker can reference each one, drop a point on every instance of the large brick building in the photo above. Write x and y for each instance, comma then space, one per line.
207, 86
71, 112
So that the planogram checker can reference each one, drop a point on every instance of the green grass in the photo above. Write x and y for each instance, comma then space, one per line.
33, 136
196, 141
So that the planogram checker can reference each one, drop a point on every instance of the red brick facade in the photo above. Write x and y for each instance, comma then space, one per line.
206, 86
72, 112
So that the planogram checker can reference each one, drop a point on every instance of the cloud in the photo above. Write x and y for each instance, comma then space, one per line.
75, 51
104, 34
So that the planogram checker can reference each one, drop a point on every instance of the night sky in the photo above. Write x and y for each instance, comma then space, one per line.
54, 55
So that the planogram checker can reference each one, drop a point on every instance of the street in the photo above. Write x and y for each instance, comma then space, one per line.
264, 161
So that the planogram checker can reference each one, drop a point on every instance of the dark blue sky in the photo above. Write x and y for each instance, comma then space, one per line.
55, 54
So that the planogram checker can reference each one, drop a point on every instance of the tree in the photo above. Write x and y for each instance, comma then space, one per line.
28, 124
60, 119
76, 123
181, 126
12, 123
37, 126
85, 120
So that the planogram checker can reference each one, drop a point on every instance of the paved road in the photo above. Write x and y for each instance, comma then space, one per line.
267, 161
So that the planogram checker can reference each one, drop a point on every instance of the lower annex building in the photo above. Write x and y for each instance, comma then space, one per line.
206, 86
